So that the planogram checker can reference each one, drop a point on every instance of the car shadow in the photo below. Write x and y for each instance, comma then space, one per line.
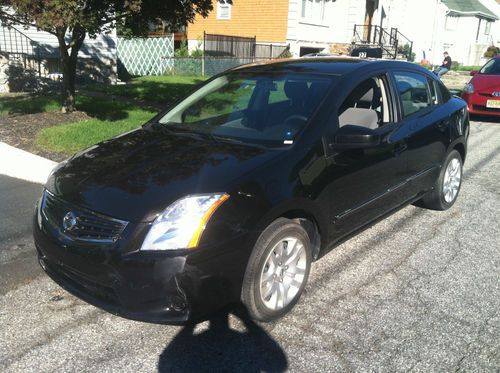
223, 349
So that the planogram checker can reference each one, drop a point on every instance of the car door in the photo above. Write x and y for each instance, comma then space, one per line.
366, 181
427, 121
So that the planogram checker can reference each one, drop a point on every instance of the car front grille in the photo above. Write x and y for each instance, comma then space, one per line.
81, 283
84, 225
484, 108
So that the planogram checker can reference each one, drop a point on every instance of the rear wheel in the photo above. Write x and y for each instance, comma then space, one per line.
448, 184
277, 271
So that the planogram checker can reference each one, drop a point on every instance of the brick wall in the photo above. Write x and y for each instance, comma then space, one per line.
267, 20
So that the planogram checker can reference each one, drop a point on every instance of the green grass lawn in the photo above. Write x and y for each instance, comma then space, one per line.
164, 89
72, 137
18, 104
109, 117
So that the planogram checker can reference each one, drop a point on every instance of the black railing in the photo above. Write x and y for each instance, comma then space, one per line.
19, 46
393, 43
405, 45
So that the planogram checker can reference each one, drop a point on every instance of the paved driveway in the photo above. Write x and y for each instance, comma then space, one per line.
419, 291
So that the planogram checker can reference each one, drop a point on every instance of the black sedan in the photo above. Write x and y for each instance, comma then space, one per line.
233, 192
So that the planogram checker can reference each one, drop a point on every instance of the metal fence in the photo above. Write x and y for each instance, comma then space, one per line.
207, 66
155, 56
146, 56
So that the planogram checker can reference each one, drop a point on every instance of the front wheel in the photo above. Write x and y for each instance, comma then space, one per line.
277, 271
448, 184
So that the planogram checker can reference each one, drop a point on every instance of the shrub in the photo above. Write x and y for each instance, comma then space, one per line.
183, 50
286, 54
492, 51
458, 67
405, 51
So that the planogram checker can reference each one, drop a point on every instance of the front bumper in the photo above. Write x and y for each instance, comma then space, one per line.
161, 287
476, 103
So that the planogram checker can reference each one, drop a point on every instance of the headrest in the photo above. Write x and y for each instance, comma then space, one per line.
296, 90
368, 96
359, 117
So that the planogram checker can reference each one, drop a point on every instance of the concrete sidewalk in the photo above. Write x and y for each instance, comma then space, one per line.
23, 165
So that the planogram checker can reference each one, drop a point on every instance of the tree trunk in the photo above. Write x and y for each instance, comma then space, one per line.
68, 93
68, 64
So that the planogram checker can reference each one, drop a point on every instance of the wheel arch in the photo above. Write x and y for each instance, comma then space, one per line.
310, 225
308, 215
460, 147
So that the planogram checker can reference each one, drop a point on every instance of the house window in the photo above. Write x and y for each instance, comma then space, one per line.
223, 9
451, 23
313, 10
487, 28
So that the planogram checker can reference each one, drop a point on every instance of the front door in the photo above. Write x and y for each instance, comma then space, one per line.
367, 182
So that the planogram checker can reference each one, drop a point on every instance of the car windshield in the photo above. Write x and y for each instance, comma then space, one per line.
492, 67
252, 108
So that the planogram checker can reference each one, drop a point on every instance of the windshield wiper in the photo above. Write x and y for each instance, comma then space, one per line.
219, 138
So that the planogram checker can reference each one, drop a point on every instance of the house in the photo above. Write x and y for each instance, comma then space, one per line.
463, 27
38, 50
306, 25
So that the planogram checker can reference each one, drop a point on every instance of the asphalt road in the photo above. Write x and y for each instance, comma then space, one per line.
18, 264
419, 291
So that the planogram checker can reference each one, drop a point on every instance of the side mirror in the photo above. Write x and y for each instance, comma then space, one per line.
473, 72
355, 137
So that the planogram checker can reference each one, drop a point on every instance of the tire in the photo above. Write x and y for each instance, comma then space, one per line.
277, 270
447, 187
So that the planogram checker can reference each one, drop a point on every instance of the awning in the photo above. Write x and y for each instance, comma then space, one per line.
469, 8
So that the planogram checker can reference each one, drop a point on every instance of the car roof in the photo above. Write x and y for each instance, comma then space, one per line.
325, 65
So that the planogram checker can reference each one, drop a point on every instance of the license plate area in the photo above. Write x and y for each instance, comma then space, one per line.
494, 104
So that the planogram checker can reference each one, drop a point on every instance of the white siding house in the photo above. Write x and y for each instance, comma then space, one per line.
317, 24
463, 27
97, 56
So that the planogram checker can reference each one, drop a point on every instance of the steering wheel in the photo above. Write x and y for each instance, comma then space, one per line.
295, 117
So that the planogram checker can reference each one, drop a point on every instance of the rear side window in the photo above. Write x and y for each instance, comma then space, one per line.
414, 92
433, 89
445, 94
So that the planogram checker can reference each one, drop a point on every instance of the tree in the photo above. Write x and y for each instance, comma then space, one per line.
71, 21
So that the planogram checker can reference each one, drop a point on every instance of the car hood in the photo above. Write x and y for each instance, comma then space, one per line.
486, 83
137, 175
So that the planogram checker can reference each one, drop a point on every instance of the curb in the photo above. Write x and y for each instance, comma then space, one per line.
23, 165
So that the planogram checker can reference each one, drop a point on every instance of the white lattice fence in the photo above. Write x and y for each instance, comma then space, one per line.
146, 56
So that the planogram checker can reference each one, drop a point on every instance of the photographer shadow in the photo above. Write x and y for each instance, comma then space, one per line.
222, 349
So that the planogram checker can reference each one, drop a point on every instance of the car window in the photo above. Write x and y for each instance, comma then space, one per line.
492, 67
367, 105
445, 94
433, 90
260, 108
413, 91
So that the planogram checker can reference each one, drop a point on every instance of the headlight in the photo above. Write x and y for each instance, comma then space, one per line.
469, 88
181, 225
